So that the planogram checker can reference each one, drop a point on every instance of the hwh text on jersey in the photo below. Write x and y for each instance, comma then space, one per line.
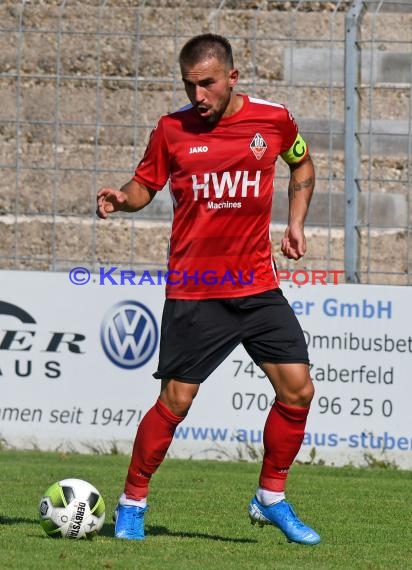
217, 183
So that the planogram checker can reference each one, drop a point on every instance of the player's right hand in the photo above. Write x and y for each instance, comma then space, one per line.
109, 200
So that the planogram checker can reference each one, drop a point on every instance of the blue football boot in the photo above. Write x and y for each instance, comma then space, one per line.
129, 522
282, 516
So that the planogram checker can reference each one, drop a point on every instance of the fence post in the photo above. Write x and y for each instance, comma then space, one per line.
352, 140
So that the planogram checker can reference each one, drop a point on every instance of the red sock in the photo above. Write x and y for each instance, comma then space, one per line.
282, 438
153, 438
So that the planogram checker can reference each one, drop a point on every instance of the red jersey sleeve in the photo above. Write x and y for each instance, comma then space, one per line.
153, 170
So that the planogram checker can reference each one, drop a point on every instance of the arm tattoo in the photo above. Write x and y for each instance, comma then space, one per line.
297, 186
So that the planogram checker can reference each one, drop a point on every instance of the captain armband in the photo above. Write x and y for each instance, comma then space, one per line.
297, 151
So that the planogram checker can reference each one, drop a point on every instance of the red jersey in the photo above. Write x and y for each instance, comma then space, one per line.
221, 184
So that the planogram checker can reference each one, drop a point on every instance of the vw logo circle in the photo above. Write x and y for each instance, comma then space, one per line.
129, 334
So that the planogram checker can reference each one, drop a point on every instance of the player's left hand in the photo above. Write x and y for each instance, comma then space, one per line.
293, 244
109, 200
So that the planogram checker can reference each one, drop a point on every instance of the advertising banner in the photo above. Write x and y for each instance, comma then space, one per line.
77, 354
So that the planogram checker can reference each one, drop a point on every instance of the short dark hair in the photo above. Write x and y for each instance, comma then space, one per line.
206, 46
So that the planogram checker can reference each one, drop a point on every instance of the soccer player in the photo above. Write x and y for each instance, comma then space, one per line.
219, 155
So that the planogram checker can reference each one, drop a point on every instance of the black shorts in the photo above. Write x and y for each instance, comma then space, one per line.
197, 336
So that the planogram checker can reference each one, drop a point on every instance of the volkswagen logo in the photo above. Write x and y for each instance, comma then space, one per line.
129, 334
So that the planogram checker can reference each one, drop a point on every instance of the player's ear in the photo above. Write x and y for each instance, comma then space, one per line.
233, 77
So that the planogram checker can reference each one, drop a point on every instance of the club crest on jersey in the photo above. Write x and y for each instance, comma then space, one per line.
258, 146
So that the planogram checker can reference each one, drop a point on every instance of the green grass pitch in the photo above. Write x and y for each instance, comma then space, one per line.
198, 516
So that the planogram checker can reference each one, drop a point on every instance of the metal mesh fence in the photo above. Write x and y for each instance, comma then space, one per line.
83, 83
378, 158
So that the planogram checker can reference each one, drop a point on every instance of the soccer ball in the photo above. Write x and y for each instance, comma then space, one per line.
72, 508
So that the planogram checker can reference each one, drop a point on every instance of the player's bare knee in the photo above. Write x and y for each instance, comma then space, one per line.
178, 397
301, 396
182, 404
176, 404
307, 393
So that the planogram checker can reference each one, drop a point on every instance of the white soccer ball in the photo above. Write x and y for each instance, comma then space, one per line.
72, 508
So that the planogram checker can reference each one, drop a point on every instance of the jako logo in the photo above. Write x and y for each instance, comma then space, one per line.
129, 334
197, 149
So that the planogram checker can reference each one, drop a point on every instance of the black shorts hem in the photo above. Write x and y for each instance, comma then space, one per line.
282, 361
178, 378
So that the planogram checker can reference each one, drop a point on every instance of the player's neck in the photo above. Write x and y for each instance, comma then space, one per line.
235, 104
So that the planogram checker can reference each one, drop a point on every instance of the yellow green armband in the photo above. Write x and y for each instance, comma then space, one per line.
297, 151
